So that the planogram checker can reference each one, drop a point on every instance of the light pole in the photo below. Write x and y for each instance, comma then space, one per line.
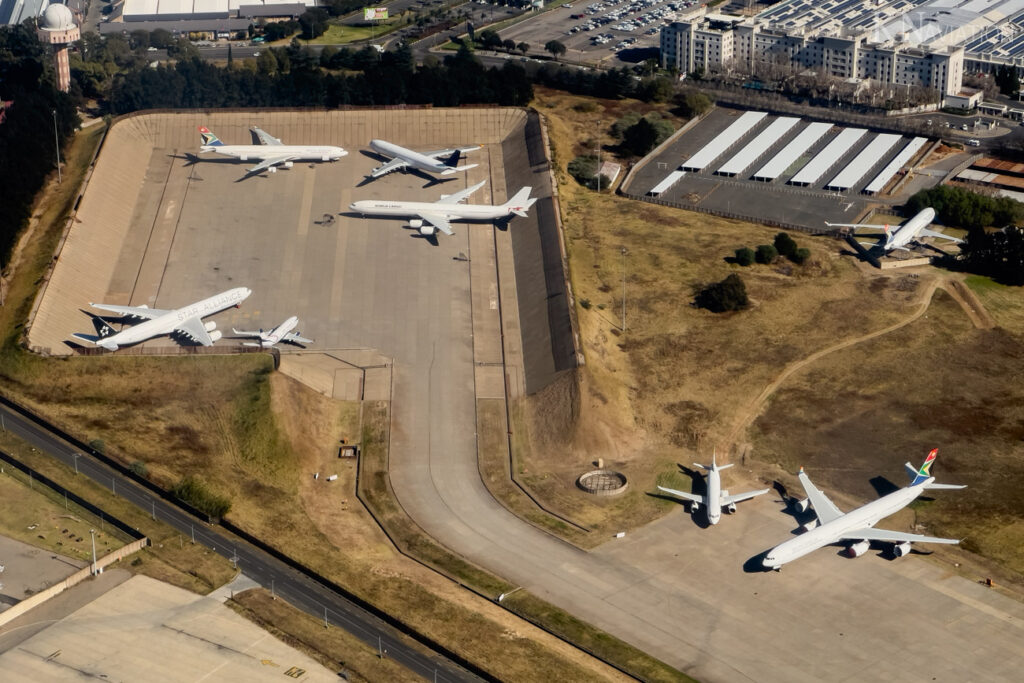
76, 456
56, 144
623, 289
599, 155
93, 533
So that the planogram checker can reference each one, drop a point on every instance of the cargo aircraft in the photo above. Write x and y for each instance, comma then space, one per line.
716, 499
856, 527
912, 231
281, 333
442, 161
434, 216
271, 152
182, 322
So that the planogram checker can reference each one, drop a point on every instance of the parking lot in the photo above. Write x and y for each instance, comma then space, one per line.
610, 33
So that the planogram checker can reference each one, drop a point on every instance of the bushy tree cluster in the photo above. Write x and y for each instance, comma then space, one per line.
783, 245
27, 144
728, 295
957, 207
640, 134
292, 77
584, 170
197, 494
1007, 80
612, 84
999, 255
692, 102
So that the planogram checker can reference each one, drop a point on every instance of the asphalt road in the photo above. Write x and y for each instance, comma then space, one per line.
300, 591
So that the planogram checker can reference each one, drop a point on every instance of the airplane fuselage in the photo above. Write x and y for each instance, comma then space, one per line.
831, 532
261, 152
462, 212
279, 332
168, 322
413, 158
714, 496
911, 230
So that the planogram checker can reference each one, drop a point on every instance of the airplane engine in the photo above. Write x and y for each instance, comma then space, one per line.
901, 549
813, 524
287, 164
801, 505
216, 334
694, 508
858, 549
210, 326
272, 169
424, 228
730, 508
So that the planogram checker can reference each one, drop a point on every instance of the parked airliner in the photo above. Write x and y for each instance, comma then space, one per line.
270, 153
834, 526
281, 333
442, 161
186, 321
716, 498
913, 231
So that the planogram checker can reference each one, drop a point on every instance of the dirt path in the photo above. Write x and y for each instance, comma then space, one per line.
969, 302
745, 418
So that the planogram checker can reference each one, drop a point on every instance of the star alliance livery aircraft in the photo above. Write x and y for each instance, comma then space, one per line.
270, 153
186, 322
856, 526
433, 216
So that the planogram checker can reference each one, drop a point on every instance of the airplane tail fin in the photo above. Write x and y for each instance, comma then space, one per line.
453, 160
96, 340
208, 139
520, 202
922, 474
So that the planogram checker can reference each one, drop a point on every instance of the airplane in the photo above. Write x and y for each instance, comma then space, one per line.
911, 231
281, 333
834, 526
443, 161
716, 498
434, 216
271, 152
186, 321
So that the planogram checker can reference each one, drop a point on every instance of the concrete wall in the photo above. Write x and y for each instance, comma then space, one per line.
81, 575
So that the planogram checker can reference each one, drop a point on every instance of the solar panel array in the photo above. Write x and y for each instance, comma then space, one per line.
778, 164
758, 146
893, 167
827, 158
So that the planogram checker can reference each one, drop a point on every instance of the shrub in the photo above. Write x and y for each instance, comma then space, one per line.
728, 295
800, 256
785, 245
194, 492
745, 256
766, 253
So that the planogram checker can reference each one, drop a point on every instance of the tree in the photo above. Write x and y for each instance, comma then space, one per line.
509, 45
489, 39
744, 256
646, 134
556, 48
523, 47
728, 295
692, 102
765, 253
800, 256
655, 89
785, 245
313, 23
999, 255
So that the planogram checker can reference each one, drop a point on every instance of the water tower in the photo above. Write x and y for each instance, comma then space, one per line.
57, 27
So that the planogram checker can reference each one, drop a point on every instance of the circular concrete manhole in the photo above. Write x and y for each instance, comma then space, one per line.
603, 482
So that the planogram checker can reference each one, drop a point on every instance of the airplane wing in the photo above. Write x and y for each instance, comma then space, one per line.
296, 338
439, 222
728, 500
925, 232
265, 137
143, 312
271, 161
867, 534
683, 494
823, 507
194, 329
461, 195
865, 226
393, 165
451, 150
247, 333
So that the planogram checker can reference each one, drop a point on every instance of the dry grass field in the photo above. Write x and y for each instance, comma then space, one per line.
681, 382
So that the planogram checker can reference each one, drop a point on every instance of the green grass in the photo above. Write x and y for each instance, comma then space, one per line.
1005, 303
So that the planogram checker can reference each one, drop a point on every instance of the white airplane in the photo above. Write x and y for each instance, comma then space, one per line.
716, 498
270, 153
281, 333
187, 321
433, 216
913, 230
834, 526
442, 161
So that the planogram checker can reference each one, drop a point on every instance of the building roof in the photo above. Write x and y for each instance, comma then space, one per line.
13, 12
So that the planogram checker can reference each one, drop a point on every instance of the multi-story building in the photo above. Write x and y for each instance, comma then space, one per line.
717, 43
